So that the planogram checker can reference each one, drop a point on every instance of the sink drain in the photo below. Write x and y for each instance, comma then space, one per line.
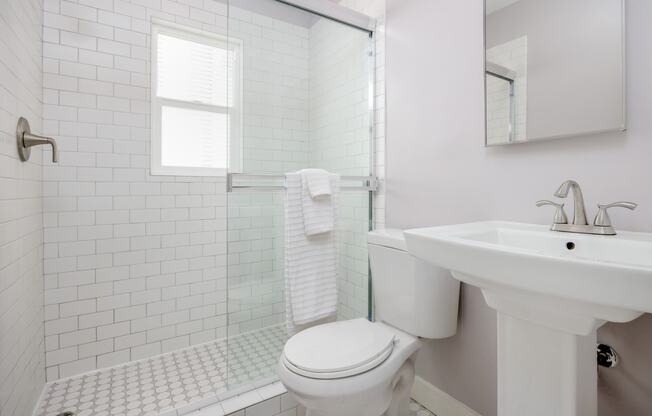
66, 414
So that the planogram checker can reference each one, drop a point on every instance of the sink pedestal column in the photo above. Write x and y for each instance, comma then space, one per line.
545, 372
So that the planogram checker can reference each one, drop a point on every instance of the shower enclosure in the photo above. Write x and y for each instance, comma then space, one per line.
164, 218
306, 85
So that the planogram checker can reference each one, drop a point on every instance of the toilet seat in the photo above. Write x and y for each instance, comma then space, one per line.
338, 350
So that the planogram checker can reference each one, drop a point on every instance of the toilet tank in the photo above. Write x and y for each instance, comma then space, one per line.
410, 294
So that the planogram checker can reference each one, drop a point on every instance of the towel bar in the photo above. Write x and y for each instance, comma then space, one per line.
366, 183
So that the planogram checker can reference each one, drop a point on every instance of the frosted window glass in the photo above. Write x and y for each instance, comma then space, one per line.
193, 138
194, 72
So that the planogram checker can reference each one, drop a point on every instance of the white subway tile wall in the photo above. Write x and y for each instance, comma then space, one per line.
376, 9
340, 62
135, 265
21, 211
275, 141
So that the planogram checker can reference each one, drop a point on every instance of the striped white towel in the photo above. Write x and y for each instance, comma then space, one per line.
310, 261
318, 212
317, 181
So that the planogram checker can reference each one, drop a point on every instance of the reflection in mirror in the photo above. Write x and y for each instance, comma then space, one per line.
554, 69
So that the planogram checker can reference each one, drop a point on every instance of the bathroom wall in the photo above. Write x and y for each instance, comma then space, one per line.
439, 173
22, 359
136, 264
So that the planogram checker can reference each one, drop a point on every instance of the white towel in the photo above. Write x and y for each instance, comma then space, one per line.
318, 213
318, 182
310, 262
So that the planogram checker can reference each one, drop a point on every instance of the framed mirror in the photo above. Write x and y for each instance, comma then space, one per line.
554, 69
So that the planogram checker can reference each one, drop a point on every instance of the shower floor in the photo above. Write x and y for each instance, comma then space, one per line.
173, 380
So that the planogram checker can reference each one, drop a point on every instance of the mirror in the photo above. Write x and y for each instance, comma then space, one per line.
554, 69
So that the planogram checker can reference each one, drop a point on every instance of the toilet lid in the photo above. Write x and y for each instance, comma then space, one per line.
339, 349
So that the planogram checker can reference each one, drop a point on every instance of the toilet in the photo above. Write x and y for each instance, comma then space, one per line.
362, 368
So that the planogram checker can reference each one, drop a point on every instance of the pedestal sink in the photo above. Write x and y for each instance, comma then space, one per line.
551, 291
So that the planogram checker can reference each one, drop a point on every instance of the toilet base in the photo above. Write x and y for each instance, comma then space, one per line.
402, 408
399, 390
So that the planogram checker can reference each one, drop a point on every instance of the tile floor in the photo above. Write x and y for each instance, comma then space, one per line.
169, 381
186, 379
269, 400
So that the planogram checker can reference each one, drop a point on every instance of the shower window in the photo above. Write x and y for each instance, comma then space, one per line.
196, 102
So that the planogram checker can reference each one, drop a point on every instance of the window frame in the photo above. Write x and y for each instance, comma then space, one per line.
234, 130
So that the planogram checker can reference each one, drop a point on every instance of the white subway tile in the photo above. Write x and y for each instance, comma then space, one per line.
114, 20
95, 58
96, 29
77, 367
77, 40
95, 319
94, 349
57, 21
95, 87
114, 331
77, 10
61, 356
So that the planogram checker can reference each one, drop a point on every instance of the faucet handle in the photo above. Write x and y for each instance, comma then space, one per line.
560, 214
603, 220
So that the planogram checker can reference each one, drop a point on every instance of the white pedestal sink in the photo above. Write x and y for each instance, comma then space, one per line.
552, 291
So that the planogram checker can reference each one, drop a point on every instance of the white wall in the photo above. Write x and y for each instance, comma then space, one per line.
22, 360
439, 173
136, 264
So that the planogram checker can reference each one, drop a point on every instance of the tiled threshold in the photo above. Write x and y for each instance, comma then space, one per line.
269, 400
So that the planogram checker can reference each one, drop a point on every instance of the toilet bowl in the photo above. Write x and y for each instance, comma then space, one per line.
349, 368
362, 368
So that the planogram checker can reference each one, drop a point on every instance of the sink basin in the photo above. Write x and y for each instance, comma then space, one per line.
552, 291
593, 279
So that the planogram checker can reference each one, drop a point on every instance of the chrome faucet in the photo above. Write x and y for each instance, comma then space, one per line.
601, 224
579, 216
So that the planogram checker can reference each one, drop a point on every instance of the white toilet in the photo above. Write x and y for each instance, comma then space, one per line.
362, 368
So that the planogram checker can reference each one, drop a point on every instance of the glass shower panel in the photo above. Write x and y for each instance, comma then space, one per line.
305, 88
340, 142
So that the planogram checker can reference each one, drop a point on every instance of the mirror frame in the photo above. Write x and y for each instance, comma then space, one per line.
621, 128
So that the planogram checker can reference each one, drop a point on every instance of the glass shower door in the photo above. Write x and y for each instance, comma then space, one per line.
305, 103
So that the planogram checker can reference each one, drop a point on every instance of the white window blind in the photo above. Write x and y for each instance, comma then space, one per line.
196, 108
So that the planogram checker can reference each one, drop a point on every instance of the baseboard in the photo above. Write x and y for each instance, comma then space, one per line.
438, 401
